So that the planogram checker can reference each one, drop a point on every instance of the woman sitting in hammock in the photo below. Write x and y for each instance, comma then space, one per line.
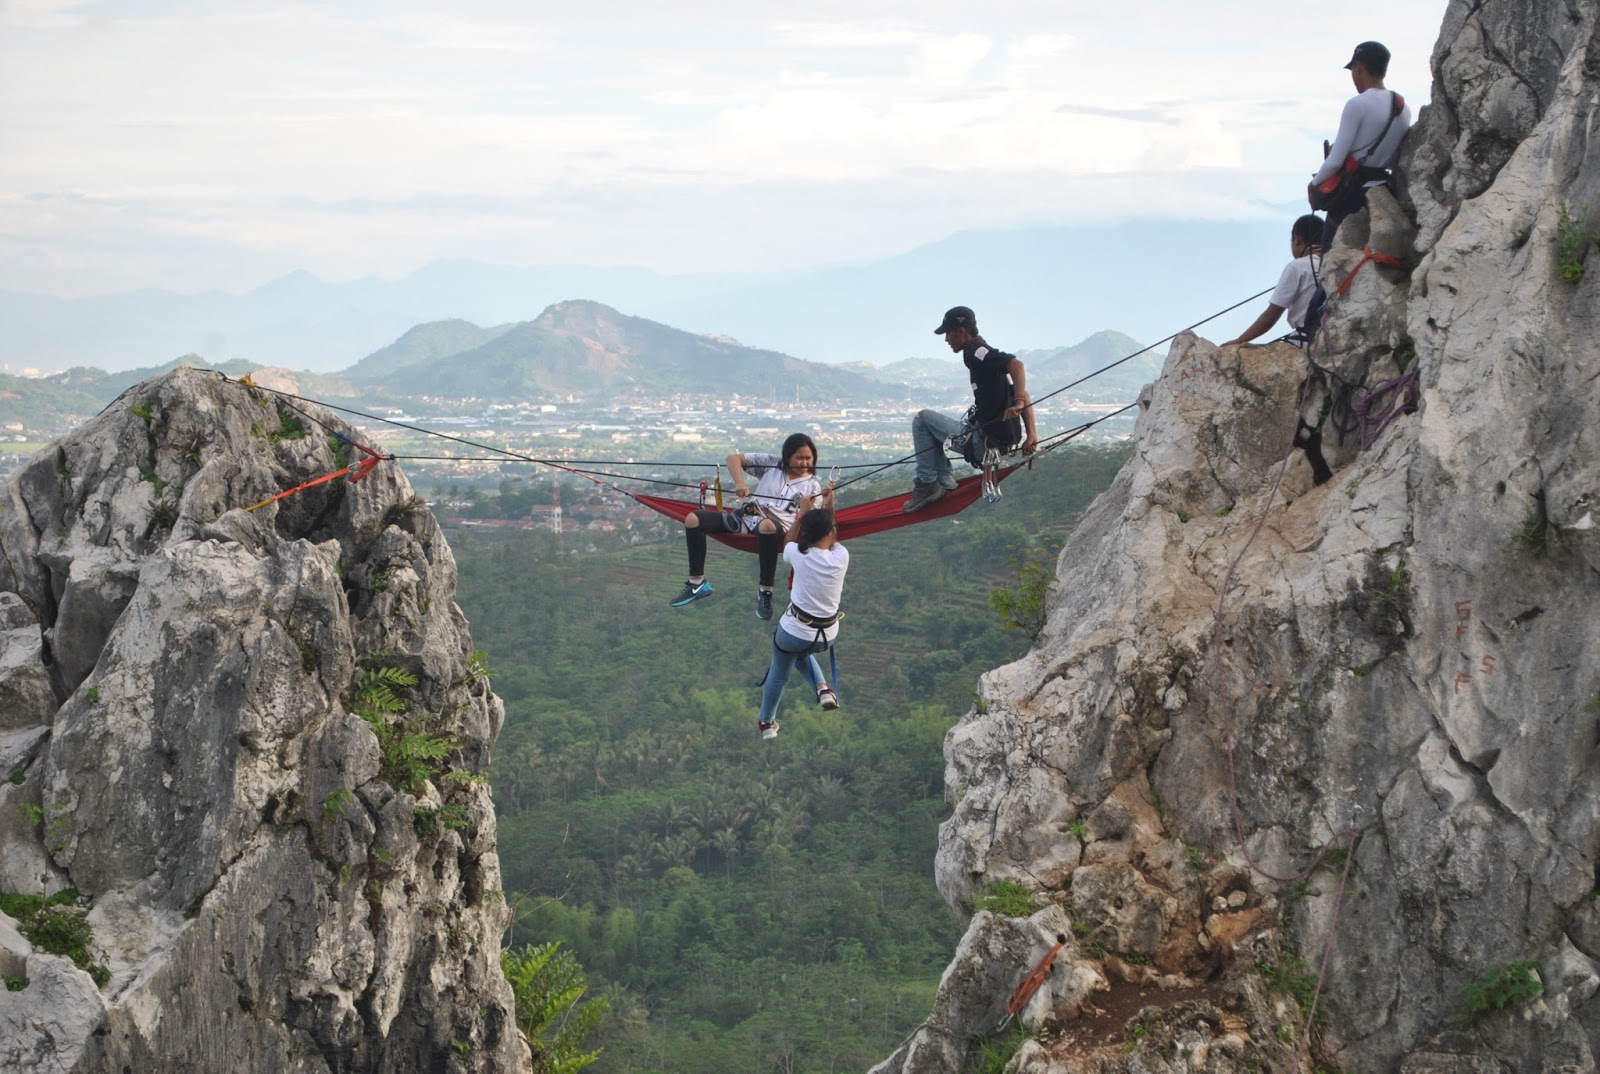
811, 622
780, 482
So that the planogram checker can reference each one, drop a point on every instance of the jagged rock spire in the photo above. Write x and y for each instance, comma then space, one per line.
1403, 659
271, 886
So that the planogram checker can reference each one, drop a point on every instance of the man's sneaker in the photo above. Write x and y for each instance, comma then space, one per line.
922, 494
691, 592
948, 482
769, 730
763, 604
827, 698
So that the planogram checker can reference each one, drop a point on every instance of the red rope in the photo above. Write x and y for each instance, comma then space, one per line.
1368, 254
356, 470
1030, 984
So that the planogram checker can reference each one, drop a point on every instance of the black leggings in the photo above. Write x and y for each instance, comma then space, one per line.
768, 545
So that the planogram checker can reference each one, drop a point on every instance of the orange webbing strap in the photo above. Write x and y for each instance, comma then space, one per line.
356, 470
1030, 984
1368, 254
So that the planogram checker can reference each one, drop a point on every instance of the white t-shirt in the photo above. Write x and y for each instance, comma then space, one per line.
1359, 125
1294, 288
775, 489
818, 586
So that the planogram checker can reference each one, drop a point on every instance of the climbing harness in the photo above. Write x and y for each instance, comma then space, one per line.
811, 650
1346, 188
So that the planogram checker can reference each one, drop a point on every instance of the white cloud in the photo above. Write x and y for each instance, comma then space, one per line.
38, 14
945, 61
362, 137
849, 35
1041, 46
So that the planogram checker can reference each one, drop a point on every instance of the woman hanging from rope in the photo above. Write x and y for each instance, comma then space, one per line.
780, 482
811, 622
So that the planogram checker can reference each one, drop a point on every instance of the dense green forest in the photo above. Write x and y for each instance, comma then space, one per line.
745, 904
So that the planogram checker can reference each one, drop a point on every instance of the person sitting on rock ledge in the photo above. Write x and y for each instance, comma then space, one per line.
1297, 287
999, 394
1371, 128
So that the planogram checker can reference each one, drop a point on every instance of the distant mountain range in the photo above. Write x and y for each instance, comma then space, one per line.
1032, 289
590, 352
586, 352
1134, 366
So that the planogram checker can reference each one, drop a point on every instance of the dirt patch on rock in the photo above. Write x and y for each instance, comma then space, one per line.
1104, 1021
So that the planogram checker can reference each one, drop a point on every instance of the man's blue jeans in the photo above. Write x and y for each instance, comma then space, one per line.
929, 430
788, 652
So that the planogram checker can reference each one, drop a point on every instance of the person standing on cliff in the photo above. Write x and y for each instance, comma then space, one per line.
999, 394
1370, 130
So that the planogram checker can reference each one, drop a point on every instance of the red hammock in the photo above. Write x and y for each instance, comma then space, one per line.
856, 521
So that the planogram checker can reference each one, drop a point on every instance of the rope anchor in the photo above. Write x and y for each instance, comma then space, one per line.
356, 471
1036, 977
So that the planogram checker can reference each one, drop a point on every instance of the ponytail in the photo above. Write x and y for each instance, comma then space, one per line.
815, 525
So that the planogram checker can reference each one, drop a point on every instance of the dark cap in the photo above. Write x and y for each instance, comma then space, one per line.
957, 317
1371, 55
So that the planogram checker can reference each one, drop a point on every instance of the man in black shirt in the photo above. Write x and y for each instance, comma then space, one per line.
998, 394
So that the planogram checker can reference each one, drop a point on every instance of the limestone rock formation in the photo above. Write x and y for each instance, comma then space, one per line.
285, 868
1271, 725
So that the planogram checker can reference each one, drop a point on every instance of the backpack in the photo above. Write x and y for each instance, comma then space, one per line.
1346, 189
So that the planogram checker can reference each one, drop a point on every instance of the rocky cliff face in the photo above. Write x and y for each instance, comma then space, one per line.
190, 706
1274, 730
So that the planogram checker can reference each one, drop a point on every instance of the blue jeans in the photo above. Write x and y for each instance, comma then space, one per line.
929, 430
788, 652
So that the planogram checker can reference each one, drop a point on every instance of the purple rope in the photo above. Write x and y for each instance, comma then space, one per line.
1347, 835
1406, 390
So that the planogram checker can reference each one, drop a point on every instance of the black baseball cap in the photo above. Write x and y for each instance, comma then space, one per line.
1373, 56
957, 317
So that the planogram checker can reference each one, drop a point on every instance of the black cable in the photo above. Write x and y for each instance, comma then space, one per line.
1152, 346
400, 424
1095, 373
606, 462
875, 468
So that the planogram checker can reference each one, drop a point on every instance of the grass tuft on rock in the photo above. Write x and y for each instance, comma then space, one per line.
56, 924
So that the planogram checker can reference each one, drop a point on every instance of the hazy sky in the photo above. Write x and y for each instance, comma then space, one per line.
192, 145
